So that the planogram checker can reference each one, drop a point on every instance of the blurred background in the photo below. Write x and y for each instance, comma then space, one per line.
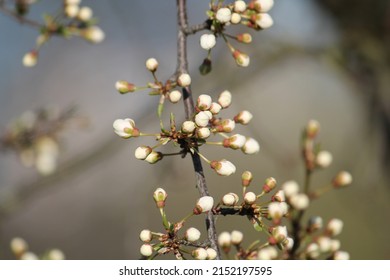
323, 59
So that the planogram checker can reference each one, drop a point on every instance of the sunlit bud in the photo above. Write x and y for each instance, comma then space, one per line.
280, 233
223, 167
324, 243
227, 125
237, 237
188, 127
230, 199
29, 256
72, 2
341, 255
251, 146
279, 196
299, 201
174, 96
184, 80
324, 159
142, 152
269, 184
125, 128
204, 102
30, 59
18, 246
56, 255
223, 15
199, 254
124, 87
314, 223
236, 18
72, 10
267, 253
94, 34
207, 41
290, 188
244, 117
215, 108
204, 204
211, 254
235, 142
288, 243
312, 128
342, 179
160, 196
146, 235
225, 99
335, 245
241, 58
153, 157
224, 239
264, 20
263, 6
245, 38
85, 13
146, 250
192, 234
203, 132
275, 212
313, 250
250, 198
334, 227
202, 119
239, 6
246, 178
151, 64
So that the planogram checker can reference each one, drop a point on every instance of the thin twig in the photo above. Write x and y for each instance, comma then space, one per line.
18, 17
182, 67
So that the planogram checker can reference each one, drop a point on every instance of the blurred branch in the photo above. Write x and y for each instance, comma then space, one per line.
21, 19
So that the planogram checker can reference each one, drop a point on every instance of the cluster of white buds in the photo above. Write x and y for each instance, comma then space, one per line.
20, 249
295, 199
253, 15
73, 10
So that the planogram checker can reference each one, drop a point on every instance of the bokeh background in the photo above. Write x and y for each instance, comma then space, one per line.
323, 59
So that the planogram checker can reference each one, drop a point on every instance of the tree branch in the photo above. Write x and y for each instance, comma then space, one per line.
182, 67
18, 17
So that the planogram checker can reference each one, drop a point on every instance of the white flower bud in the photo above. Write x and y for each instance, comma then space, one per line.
85, 13
284, 207
18, 246
251, 146
160, 196
288, 243
241, 58
174, 96
290, 188
207, 41
230, 199
125, 128
315, 223
223, 15
142, 152
227, 125
146, 250
246, 178
184, 80
30, 59
56, 255
202, 119
313, 250
72, 2
341, 255
72, 10
275, 211
324, 243
204, 204
153, 157
29, 256
324, 159
124, 87
264, 6
46, 163
250, 198
299, 201
280, 233
211, 254
192, 234
264, 21
204, 102
223, 167
267, 253
146, 235
224, 239
203, 132
225, 99
244, 117
235, 142
342, 179
235, 18
236, 237
188, 127
151, 64
279, 196
200, 254
239, 6
334, 245
334, 227
94, 34
215, 108
312, 128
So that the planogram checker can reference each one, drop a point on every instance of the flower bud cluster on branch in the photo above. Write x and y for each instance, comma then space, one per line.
20, 249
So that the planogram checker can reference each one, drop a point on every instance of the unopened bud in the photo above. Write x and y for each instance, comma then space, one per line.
224, 239
151, 64
192, 234
324, 159
241, 58
226, 125
146, 250
146, 235
290, 188
142, 152
207, 41
153, 157
94, 34
250, 198
312, 128
160, 196
223, 167
204, 204
225, 99
85, 13
202, 119
263, 6
174, 96
269, 185
124, 87
245, 38
18, 246
215, 108
188, 127
314, 223
264, 20
244, 117
223, 15
236, 18
334, 227
56, 255
342, 179
341, 255
246, 178
279, 196
184, 80
236, 237
203, 132
204, 102
30, 59
239, 6
251, 146
234, 142
199, 254
299, 201
267, 253
72, 10
211, 254
230, 199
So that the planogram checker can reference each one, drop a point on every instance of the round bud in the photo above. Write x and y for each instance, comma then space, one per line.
342, 179
146, 250
223, 15
142, 152
251, 146
192, 234
250, 198
184, 80
207, 41
237, 237
174, 96
188, 127
146, 235
299, 201
199, 254
211, 254
151, 64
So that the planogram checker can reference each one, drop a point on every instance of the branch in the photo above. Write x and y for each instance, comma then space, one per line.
18, 17
182, 67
